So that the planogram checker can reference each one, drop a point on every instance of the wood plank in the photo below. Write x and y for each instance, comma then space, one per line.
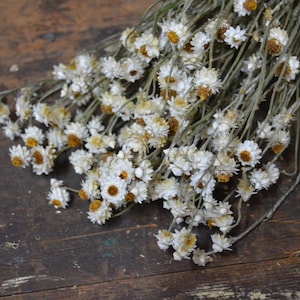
239, 281
64, 256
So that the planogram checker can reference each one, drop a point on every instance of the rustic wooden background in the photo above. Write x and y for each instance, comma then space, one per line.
45, 255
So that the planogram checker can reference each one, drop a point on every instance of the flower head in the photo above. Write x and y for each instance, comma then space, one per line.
248, 153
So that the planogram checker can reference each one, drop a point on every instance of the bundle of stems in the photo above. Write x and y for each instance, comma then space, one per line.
192, 107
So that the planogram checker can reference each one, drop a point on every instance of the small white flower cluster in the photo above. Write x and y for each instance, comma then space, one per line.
185, 108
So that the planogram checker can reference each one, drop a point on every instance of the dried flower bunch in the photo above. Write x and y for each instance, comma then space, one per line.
199, 97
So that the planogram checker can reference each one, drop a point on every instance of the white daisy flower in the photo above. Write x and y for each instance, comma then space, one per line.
244, 7
253, 63
33, 136
140, 191
200, 257
144, 171
19, 156
203, 183
200, 42
11, 129
4, 113
248, 153
184, 242
164, 239
90, 189
291, 68
23, 105
245, 190
235, 36
81, 160
43, 159
58, 196
98, 143
264, 177
224, 223
76, 132
278, 38
113, 190
147, 46
99, 212
42, 113
165, 189
220, 242
133, 68
56, 138
207, 82
111, 68
280, 140
173, 31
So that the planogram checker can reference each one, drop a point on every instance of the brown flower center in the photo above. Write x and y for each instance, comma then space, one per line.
273, 46
204, 92
280, 68
143, 51
173, 37
38, 157
250, 5
129, 197
173, 125
112, 190
17, 161
220, 34
94, 205
245, 156
82, 194
73, 140
277, 148
56, 202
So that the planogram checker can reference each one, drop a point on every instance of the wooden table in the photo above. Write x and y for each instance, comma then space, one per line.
45, 255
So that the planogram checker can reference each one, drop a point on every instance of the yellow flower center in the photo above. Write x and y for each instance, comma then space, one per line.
168, 94
210, 223
250, 5
17, 161
204, 92
112, 190
82, 194
173, 37
31, 142
169, 79
94, 205
277, 148
129, 197
72, 66
56, 203
190, 241
143, 51
245, 156
106, 109
73, 140
223, 177
123, 175
38, 157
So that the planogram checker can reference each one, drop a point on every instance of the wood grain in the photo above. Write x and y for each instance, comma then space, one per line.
63, 256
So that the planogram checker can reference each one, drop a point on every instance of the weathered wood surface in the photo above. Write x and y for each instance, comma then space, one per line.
63, 256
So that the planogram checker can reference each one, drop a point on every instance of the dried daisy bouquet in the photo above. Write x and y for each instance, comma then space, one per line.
193, 107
